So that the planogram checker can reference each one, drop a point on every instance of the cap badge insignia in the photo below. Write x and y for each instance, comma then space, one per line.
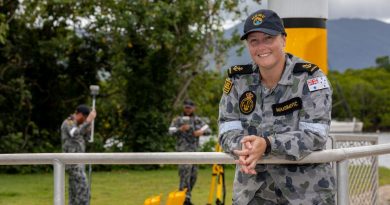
247, 102
258, 19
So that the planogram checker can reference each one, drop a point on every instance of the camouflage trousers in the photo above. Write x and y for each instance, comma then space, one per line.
78, 185
270, 194
188, 174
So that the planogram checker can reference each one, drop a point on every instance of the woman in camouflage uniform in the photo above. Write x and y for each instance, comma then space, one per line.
278, 105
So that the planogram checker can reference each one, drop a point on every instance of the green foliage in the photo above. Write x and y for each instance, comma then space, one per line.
206, 91
160, 47
366, 92
140, 53
383, 62
43, 70
209, 146
3, 28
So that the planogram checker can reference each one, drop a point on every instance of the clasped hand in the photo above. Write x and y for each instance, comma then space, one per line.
253, 148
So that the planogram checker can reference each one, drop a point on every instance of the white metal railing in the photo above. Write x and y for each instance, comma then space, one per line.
59, 160
185, 157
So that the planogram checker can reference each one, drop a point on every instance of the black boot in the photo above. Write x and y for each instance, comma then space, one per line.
188, 202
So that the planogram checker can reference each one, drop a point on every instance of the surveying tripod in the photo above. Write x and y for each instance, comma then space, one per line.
217, 183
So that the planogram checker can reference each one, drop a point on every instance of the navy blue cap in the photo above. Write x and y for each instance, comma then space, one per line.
83, 109
188, 103
264, 20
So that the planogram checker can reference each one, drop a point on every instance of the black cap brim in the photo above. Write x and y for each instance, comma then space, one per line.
263, 30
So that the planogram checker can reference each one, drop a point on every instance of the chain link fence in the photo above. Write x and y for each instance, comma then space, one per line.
363, 172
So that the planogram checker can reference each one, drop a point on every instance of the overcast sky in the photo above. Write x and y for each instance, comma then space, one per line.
364, 9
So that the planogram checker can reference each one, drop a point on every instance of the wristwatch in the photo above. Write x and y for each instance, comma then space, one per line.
268, 148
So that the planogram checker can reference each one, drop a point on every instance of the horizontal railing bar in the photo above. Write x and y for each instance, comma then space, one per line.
184, 157
340, 137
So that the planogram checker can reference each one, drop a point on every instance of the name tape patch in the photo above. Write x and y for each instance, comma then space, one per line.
287, 107
318, 83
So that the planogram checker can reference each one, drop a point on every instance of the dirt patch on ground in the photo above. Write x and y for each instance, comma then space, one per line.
384, 195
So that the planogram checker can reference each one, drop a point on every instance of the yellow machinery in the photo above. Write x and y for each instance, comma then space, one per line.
154, 200
174, 198
217, 183
217, 187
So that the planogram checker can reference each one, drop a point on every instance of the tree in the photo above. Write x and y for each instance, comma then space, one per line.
366, 91
383, 62
140, 52
44, 66
161, 48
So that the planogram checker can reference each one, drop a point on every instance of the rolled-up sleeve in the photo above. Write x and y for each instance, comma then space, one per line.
174, 126
73, 130
230, 127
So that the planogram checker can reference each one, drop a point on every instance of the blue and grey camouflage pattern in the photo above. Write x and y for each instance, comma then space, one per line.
296, 121
78, 185
186, 142
188, 175
73, 139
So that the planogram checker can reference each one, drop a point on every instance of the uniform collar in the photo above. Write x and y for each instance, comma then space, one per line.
287, 78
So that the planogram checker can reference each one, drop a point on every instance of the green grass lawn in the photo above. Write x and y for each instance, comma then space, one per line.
118, 187
108, 188
384, 176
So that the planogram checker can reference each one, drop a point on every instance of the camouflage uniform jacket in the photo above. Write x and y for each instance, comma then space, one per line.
73, 137
295, 119
186, 142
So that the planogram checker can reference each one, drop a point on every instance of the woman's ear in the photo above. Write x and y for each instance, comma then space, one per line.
284, 41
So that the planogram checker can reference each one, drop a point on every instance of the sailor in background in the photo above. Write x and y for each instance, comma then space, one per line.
187, 128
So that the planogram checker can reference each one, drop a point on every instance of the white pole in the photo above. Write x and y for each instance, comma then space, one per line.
93, 121
342, 183
59, 182
94, 91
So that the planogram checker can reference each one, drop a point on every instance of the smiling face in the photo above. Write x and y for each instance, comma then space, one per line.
266, 51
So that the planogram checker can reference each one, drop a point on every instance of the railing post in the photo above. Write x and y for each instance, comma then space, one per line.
59, 182
342, 183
